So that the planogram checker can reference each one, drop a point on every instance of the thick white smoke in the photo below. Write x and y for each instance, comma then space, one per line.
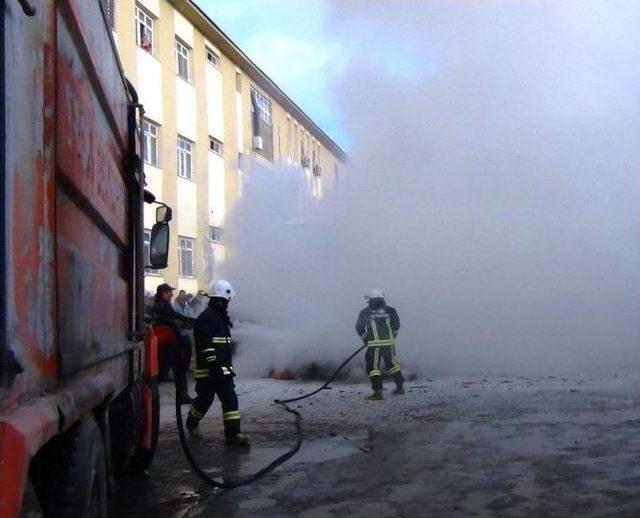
492, 192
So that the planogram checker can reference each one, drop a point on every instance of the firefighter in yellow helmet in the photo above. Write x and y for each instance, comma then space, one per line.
378, 326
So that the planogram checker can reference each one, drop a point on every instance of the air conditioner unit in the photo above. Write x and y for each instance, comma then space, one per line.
305, 161
257, 143
317, 170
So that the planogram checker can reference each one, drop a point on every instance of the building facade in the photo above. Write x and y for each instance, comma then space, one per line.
210, 113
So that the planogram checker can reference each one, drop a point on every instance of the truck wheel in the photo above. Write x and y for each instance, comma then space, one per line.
151, 403
81, 487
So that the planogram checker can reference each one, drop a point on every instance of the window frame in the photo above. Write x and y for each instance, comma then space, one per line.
208, 50
146, 252
182, 241
181, 150
147, 135
265, 107
110, 13
220, 150
215, 238
145, 18
182, 50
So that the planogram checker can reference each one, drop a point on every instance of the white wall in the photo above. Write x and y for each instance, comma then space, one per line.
188, 284
151, 282
219, 251
153, 6
185, 109
149, 84
239, 125
184, 30
217, 189
187, 208
153, 176
215, 119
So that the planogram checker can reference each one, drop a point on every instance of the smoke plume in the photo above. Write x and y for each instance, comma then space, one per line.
492, 192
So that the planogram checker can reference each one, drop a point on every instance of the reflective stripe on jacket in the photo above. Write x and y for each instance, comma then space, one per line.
213, 345
378, 327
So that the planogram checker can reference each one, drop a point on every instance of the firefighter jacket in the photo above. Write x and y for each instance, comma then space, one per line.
213, 345
378, 326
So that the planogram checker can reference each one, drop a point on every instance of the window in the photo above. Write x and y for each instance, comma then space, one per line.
238, 82
185, 254
262, 122
150, 137
109, 11
183, 57
264, 106
144, 30
215, 145
146, 254
215, 233
212, 57
185, 158
289, 144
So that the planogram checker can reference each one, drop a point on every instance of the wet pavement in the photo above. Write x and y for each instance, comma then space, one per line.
465, 447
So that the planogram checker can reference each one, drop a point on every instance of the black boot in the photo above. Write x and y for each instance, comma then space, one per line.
376, 396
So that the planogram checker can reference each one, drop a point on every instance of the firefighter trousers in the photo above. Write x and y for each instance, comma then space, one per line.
373, 358
206, 389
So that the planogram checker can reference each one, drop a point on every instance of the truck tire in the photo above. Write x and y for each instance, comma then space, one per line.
81, 486
144, 456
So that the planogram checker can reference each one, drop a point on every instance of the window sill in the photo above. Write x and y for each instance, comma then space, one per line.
187, 81
186, 276
193, 179
150, 53
149, 273
157, 166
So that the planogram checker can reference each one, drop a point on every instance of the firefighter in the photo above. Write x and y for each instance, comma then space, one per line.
214, 373
378, 326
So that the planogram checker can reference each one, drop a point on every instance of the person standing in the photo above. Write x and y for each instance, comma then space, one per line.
214, 374
180, 304
378, 326
174, 356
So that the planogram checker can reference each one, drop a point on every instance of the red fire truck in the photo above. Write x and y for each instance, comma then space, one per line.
78, 394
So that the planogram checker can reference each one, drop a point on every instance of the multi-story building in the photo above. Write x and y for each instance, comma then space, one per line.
210, 113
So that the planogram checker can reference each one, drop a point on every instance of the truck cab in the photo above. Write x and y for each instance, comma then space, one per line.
78, 388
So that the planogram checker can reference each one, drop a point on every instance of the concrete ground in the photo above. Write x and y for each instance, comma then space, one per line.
458, 447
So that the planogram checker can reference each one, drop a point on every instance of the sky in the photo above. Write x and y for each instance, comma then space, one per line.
289, 41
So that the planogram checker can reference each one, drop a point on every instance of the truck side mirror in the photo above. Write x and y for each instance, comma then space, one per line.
159, 246
163, 214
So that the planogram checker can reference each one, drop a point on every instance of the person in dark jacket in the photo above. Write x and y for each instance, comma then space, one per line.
378, 326
178, 356
214, 373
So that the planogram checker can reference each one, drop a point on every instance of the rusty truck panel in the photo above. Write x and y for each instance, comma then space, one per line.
71, 242
92, 227
29, 200
100, 60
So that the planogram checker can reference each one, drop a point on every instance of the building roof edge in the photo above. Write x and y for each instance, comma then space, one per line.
218, 37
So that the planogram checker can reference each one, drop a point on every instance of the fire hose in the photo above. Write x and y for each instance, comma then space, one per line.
242, 481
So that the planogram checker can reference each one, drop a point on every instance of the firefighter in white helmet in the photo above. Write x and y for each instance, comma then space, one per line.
214, 373
378, 326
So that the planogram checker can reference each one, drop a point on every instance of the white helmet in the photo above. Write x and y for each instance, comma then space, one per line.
375, 293
222, 289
